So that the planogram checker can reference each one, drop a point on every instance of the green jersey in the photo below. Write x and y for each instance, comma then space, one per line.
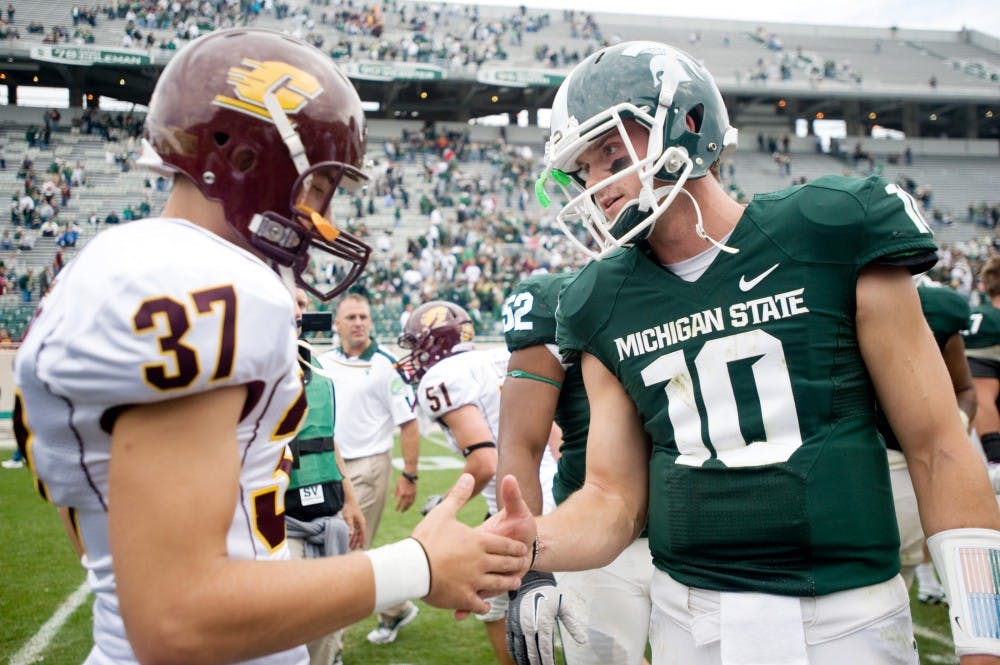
767, 473
946, 310
982, 342
529, 316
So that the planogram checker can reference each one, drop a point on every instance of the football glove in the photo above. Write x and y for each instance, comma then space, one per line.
531, 620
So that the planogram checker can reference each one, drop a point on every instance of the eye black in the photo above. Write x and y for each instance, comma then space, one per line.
620, 164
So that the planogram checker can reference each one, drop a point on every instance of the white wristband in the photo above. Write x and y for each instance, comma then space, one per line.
968, 562
401, 571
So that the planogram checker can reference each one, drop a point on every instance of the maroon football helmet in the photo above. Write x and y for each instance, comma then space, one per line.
435, 330
269, 127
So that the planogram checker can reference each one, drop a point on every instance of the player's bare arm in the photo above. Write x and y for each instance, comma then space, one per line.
174, 482
527, 407
987, 392
613, 499
914, 387
961, 376
470, 428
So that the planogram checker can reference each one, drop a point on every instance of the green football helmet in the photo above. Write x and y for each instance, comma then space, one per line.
665, 90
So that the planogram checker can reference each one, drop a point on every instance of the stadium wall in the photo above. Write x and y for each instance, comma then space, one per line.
380, 130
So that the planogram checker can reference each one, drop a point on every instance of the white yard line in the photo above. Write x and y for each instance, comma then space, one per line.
36, 646
934, 636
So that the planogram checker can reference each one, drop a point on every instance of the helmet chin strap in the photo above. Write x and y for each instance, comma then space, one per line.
699, 226
288, 134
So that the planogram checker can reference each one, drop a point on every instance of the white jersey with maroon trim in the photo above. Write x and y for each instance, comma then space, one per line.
474, 377
152, 311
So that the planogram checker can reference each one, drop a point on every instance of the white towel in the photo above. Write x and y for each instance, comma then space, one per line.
761, 629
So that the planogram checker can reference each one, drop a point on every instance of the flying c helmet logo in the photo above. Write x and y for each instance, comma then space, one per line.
291, 87
434, 317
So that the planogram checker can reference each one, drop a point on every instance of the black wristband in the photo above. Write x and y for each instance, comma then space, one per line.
412, 477
991, 446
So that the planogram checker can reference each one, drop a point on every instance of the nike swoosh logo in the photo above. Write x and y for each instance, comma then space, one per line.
746, 285
539, 597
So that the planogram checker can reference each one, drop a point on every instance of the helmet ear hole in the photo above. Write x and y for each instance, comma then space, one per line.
243, 158
221, 138
695, 117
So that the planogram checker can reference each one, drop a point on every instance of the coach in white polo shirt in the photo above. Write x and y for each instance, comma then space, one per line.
372, 400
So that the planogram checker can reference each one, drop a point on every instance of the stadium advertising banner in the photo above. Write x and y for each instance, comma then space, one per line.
393, 71
520, 78
83, 55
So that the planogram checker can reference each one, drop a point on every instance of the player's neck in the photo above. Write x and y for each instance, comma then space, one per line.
188, 203
674, 237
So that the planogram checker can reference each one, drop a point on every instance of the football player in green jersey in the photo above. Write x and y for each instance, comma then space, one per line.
606, 610
982, 345
732, 357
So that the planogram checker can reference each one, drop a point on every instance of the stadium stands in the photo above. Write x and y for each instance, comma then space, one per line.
450, 212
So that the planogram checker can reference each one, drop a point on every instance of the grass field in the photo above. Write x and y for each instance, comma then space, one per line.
40, 572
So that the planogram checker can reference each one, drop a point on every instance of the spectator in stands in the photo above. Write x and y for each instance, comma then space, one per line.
27, 241
79, 175
69, 236
49, 227
6, 243
24, 284
52, 118
112, 218
46, 212
26, 207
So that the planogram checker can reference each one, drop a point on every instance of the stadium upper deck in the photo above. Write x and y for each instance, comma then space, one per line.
417, 60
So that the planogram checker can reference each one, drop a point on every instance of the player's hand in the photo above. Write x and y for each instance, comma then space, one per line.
531, 620
515, 520
467, 564
351, 513
405, 494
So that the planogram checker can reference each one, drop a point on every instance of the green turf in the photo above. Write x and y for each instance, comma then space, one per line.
40, 571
